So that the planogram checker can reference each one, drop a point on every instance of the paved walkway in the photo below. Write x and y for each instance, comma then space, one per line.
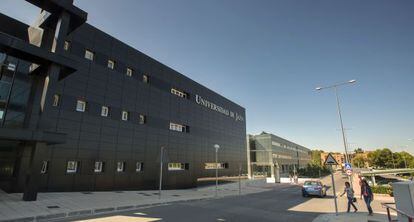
67, 204
326, 206
351, 217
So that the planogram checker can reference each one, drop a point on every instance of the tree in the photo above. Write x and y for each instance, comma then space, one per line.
359, 150
404, 159
385, 158
316, 157
382, 158
359, 161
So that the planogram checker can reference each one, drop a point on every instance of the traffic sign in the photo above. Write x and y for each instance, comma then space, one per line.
348, 166
349, 172
330, 160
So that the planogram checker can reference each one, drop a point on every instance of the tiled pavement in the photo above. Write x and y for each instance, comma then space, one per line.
66, 204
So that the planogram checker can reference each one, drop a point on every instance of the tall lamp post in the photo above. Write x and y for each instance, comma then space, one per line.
161, 163
216, 147
335, 87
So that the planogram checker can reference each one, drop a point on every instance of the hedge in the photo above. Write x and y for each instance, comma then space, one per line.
382, 190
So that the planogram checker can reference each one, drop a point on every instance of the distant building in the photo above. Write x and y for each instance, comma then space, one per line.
272, 156
339, 157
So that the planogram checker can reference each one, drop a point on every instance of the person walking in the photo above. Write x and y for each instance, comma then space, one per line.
350, 195
366, 192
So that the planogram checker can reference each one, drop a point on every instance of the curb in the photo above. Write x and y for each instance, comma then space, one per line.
98, 211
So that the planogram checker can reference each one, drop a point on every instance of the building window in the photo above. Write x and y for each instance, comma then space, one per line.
66, 45
89, 55
139, 167
125, 115
45, 166
105, 111
176, 127
142, 119
72, 167
145, 78
178, 166
175, 166
179, 93
179, 128
98, 167
120, 167
129, 72
81, 106
11, 67
111, 64
213, 166
56, 99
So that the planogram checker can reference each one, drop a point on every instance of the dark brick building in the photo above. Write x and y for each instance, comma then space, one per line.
80, 110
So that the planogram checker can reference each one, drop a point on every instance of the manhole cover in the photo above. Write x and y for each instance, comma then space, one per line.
87, 192
176, 195
53, 207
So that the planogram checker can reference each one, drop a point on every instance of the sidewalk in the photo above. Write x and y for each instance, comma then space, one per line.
71, 204
351, 217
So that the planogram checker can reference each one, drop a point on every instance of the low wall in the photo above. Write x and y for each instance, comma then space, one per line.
300, 180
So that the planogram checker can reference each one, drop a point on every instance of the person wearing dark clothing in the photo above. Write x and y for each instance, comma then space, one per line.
350, 195
366, 192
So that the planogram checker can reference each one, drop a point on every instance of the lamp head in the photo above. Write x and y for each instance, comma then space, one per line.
216, 146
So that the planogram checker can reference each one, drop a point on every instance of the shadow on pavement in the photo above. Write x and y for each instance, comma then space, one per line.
272, 205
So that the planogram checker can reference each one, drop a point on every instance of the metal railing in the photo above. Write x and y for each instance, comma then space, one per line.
400, 212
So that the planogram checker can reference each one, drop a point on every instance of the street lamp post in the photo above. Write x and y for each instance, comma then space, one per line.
335, 87
161, 159
217, 147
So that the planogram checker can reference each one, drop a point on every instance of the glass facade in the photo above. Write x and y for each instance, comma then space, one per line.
14, 91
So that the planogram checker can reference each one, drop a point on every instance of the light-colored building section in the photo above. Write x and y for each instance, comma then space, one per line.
273, 156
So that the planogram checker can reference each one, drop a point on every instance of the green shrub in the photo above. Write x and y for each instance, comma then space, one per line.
382, 190
313, 171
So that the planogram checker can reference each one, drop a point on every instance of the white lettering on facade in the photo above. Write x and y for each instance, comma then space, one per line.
217, 108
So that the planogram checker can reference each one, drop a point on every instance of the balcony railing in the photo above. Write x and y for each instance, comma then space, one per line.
409, 217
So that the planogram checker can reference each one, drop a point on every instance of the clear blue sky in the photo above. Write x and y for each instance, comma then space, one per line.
268, 56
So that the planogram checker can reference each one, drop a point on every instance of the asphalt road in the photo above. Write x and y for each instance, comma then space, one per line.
282, 202
272, 205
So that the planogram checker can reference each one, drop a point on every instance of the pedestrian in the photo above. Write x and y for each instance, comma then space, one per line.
350, 195
366, 192
290, 178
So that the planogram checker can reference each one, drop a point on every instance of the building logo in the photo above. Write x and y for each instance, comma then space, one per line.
203, 102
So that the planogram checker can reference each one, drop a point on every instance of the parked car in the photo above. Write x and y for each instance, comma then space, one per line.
313, 188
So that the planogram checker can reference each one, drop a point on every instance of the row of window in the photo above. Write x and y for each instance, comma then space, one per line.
274, 143
105, 112
81, 106
111, 63
99, 167
129, 71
